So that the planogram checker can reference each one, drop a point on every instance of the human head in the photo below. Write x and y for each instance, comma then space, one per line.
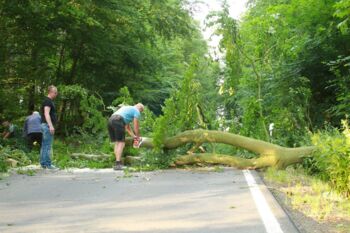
140, 107
52, 92
36, 113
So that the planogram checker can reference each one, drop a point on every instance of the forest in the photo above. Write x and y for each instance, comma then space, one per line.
283, 78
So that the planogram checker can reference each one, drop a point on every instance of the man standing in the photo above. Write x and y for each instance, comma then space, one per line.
32, 129
48, 119
118, 123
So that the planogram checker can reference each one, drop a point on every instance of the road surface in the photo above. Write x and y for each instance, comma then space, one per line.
170, 201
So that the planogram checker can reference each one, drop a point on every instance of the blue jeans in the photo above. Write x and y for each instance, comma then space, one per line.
46, 145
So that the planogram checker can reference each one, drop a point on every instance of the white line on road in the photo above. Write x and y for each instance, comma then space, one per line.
269, 220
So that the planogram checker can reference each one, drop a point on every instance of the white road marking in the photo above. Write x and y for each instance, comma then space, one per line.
270, 222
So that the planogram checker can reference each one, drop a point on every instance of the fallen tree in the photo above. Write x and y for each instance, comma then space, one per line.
268, 154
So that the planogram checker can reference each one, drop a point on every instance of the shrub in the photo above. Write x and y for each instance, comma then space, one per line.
332, 157
8, 152
80, 110
3, 165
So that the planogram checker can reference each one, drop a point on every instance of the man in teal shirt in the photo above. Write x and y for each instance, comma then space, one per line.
118, 123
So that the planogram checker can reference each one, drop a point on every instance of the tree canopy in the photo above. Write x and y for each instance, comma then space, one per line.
284, 62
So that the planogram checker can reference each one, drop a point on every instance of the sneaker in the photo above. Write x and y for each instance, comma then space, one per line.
117, 167
52, 167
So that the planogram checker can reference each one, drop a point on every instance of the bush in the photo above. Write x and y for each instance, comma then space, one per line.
332, 157
82, 143
3, 164
80, 110
8, 152
153, 160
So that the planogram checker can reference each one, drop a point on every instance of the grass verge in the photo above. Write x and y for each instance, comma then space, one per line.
312, 197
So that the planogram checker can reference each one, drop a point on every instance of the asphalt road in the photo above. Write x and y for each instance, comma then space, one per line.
171, 201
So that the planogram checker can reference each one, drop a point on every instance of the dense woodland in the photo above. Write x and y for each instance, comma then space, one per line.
285, 62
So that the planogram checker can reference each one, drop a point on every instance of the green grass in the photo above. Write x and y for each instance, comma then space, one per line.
278, 176
310, 195
218, 169
28, 172
63, 148
127, 173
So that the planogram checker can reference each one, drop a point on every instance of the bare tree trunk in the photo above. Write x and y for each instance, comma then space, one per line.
268, 154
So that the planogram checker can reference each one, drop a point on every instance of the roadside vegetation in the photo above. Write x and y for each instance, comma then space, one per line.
313, 197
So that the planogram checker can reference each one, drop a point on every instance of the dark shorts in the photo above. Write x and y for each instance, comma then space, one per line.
34, 137
116, 128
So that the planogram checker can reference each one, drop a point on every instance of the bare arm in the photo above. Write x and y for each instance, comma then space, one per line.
136, 127
130, 132
48, 119
6, 135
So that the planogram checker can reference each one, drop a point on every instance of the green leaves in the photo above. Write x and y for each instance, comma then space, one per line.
188, 108
333, 157
99, 46
342, 11
80, 110
276, 68
124, 97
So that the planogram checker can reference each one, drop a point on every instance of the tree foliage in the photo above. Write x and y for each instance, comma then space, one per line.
192, 105
98, 46
284, 62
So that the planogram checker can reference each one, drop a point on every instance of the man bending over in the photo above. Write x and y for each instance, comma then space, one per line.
118, 123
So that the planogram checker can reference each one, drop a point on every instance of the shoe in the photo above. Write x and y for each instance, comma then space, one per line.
52, 167
117, 167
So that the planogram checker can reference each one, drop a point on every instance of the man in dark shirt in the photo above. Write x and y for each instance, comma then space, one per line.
49, 119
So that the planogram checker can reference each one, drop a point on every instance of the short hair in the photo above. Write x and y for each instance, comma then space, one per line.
140, 106
51, 87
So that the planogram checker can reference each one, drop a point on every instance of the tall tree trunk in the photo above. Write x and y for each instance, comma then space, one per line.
76, 54
31, 97
33, 75
60, 62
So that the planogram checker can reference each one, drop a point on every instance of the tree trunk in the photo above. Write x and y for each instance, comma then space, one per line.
59, 71
268, 154
31, 97
76, 55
